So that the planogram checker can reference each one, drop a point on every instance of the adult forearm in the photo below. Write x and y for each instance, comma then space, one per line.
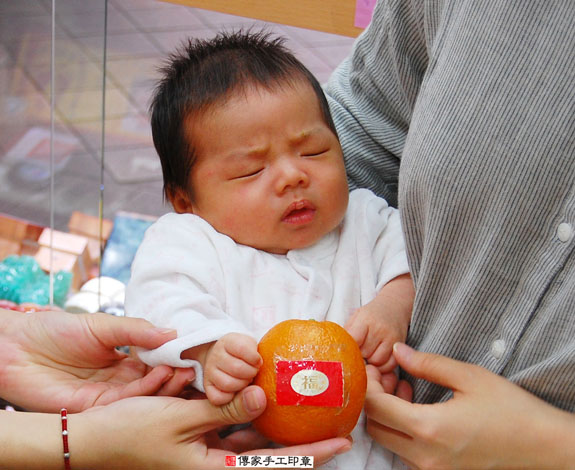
556, 443
30, 441
34, 441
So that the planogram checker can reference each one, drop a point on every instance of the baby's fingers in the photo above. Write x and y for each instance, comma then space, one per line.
225, 382
237, 368
381, 356
221, 387
357, 329
244, 348
388, 366
216, 396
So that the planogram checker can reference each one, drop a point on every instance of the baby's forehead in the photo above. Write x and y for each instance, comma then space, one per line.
279, 85
249, 90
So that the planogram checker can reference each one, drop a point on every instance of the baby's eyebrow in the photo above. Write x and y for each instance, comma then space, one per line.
305, 135
260, 152
254, 153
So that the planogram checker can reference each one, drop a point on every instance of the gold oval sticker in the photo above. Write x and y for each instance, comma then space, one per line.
309, 382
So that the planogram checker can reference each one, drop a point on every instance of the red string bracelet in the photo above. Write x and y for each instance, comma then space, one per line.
64, 418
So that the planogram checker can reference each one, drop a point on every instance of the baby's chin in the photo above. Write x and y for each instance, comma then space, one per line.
288, 243
281, 250
295, 245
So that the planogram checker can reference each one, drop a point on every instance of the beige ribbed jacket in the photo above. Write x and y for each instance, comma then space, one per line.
463, 113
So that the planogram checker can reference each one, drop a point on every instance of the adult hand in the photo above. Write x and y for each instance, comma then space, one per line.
169, 433
51, 360
489, 422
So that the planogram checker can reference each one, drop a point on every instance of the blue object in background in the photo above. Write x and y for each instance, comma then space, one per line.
127, 234
22, 280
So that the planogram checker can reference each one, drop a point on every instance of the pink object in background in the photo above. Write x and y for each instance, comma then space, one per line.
363, 12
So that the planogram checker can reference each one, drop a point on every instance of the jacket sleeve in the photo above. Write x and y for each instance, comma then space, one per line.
380, 245
177, 282
373, 91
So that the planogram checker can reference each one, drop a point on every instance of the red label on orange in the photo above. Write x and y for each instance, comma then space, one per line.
315, 383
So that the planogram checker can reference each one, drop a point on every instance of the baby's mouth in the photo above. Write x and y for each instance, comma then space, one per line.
299, 212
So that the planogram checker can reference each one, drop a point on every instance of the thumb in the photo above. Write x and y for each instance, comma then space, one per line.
434, 368
245, 406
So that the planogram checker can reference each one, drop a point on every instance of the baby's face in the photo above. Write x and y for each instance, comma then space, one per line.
269, 172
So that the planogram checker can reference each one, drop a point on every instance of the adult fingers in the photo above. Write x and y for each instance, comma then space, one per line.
374, 379
388, 410
114, 331
147, 385
396, 441
246, 406
177, 383
404, 390
389, 382
434, 368
244, 440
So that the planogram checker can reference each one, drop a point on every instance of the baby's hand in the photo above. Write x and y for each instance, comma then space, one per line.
231, 364
376, 331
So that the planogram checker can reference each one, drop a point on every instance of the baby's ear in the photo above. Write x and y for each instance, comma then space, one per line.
181, 202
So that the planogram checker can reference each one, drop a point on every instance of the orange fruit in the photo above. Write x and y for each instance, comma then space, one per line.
314, 378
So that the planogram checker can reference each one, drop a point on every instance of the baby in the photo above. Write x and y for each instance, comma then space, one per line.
264, 227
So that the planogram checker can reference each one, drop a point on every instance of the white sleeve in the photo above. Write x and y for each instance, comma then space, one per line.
177, 281
389, 250
382, 236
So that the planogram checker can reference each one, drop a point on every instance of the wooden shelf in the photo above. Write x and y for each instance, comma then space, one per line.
331, 16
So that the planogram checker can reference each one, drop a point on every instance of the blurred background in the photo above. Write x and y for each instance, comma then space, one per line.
80, 181
100, 138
